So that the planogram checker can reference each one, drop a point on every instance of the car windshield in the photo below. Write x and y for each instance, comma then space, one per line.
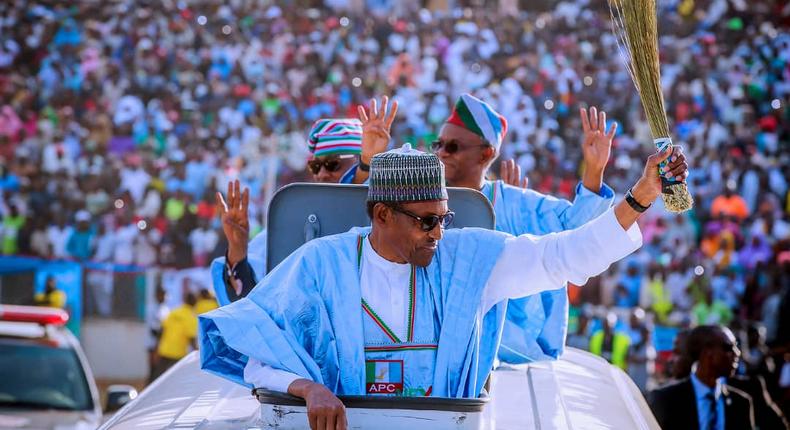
42, 377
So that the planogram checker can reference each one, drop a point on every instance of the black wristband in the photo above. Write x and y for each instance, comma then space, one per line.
635, 205
364, 167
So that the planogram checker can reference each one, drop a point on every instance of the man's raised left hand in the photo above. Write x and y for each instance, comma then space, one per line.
596, 146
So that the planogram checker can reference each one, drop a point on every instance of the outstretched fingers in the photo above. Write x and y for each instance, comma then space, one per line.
229, 195
245, 202
510, 173
602, 121
612, 131
222, 207
506, 171
585, 120
391, 115
237, 194
363, 114
593, 118
517, 178
384, 105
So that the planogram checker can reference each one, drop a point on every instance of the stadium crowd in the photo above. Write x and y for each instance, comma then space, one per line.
118, 121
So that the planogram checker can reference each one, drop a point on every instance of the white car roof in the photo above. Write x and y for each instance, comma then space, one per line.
185, 397
578, 391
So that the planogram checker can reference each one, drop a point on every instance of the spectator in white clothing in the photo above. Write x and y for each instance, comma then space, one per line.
134, 178
203, 240
125, 235
58, 235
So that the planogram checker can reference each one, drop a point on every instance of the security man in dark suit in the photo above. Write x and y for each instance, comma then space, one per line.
767, 414
703, 401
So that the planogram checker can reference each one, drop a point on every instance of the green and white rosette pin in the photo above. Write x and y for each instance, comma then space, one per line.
674, 193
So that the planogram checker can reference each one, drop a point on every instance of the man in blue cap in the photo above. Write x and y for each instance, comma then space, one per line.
336, 148
335, 145
404, 307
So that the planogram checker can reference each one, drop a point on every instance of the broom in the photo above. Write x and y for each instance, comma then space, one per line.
634, 26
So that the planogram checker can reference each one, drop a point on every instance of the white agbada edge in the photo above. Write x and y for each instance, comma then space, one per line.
580, 390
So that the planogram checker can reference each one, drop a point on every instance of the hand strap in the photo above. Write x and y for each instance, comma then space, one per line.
364, 167
629, 198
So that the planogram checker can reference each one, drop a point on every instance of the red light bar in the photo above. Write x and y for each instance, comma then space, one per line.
44, 316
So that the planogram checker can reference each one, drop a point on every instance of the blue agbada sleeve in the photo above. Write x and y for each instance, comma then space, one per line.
218, 281
468, 340
524, 211
285, 321
536, 326
253, 327
256, 259
586, 206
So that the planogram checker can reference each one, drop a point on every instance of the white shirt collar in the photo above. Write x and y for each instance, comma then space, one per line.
373, 258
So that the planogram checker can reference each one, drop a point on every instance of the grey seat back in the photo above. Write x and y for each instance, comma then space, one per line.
300, 212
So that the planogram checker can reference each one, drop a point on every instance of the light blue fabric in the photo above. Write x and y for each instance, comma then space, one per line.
348, 177
536, 326
703, 404
256, 257
305, 317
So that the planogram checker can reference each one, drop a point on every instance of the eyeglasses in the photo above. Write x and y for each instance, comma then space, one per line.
429, 222
330, 164
452, 146
729, 347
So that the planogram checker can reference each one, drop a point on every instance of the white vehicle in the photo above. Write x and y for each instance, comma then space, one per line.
578, 391
45, 380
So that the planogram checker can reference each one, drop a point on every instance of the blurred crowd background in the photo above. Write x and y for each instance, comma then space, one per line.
119, 120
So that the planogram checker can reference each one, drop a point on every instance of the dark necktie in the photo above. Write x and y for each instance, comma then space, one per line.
711, 423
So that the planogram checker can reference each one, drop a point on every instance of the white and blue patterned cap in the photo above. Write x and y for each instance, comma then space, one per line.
406, 175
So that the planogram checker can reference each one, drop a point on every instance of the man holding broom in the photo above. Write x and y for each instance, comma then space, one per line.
468, 144
329, 317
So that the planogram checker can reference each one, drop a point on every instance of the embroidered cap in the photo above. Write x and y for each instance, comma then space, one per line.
406, 175
339, 136
480, 118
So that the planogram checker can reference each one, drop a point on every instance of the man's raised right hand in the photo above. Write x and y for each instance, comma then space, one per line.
235, 221
510, 173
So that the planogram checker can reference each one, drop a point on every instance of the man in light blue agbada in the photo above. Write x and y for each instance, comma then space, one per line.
536, 326
468, 144
404, 307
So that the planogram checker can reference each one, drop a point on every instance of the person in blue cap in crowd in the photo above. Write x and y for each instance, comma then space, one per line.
404, 307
